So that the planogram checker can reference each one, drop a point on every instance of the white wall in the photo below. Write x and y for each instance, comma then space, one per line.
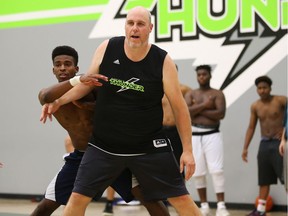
32, 152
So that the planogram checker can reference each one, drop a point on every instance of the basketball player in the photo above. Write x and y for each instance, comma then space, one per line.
269, 110
76, 118
129, 116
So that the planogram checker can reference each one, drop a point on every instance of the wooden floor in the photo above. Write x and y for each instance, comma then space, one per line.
14, 207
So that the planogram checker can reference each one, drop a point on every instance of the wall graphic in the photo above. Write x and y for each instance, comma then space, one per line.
240, 39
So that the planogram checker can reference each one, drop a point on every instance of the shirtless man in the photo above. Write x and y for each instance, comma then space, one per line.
76, 118
269, 110
207, 107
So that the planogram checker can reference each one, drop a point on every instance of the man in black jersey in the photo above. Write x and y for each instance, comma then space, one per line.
129, 116
76, 119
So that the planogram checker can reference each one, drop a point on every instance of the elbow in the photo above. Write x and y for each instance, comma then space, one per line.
44, 97
222, 115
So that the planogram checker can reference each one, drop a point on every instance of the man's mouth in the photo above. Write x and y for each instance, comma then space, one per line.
63, 76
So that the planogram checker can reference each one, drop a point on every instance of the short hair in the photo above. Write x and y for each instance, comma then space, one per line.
65, 50
204, 67
263, 79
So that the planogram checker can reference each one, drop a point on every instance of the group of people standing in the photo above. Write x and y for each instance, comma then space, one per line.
131, 134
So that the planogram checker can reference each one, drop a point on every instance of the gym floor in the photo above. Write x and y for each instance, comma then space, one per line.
23, 207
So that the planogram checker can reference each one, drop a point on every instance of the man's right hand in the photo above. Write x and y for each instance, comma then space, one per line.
93, 79
48, 109
244, 155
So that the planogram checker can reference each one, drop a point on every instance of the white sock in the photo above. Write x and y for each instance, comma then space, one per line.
204, 205
221, 205
261, 207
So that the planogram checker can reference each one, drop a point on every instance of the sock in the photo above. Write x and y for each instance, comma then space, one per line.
261, 205
204, 205
109, 202
221, 205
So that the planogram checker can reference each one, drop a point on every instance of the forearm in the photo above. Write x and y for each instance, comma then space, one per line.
248, 138
76, 93
50, 94
282, 143
196, 109
283, 137
214, 115
183, 124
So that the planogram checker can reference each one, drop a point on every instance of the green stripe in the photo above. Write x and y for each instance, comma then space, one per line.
10, 7
23, 6
145, 3
56, 20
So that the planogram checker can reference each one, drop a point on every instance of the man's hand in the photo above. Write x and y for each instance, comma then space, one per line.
244, 155
210, 102
48, 110
187, 161
281, 147
93, 79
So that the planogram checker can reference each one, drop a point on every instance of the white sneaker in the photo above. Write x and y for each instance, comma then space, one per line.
132, 203
222, 212
205, 211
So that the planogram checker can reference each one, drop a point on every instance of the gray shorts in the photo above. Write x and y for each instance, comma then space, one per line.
158, 174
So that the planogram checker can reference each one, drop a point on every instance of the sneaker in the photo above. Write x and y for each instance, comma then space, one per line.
256, 213
108, 211
132, 203
222, 212
205, 211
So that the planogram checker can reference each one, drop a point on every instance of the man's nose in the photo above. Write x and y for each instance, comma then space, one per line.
62, 67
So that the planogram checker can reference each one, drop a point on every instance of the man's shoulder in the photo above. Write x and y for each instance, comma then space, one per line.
256, 103
215, 92
185, 89
281, 97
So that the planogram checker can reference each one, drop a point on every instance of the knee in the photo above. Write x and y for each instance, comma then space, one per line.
79, 199
184, 205
218, 181
176, 201
200, 182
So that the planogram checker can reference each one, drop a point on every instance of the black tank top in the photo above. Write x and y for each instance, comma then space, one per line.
128, 115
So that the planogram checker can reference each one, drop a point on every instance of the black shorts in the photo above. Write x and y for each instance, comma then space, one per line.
270, 163
60, 188
158, 174
173, 135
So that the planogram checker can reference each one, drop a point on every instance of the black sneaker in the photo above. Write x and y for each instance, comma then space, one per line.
256, 213
108, 211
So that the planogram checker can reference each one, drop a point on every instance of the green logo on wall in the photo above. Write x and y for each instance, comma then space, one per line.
21, 13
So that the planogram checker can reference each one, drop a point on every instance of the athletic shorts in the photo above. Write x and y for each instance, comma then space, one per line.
270, 162
173, 135
60, 188
158, 174
208, 151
